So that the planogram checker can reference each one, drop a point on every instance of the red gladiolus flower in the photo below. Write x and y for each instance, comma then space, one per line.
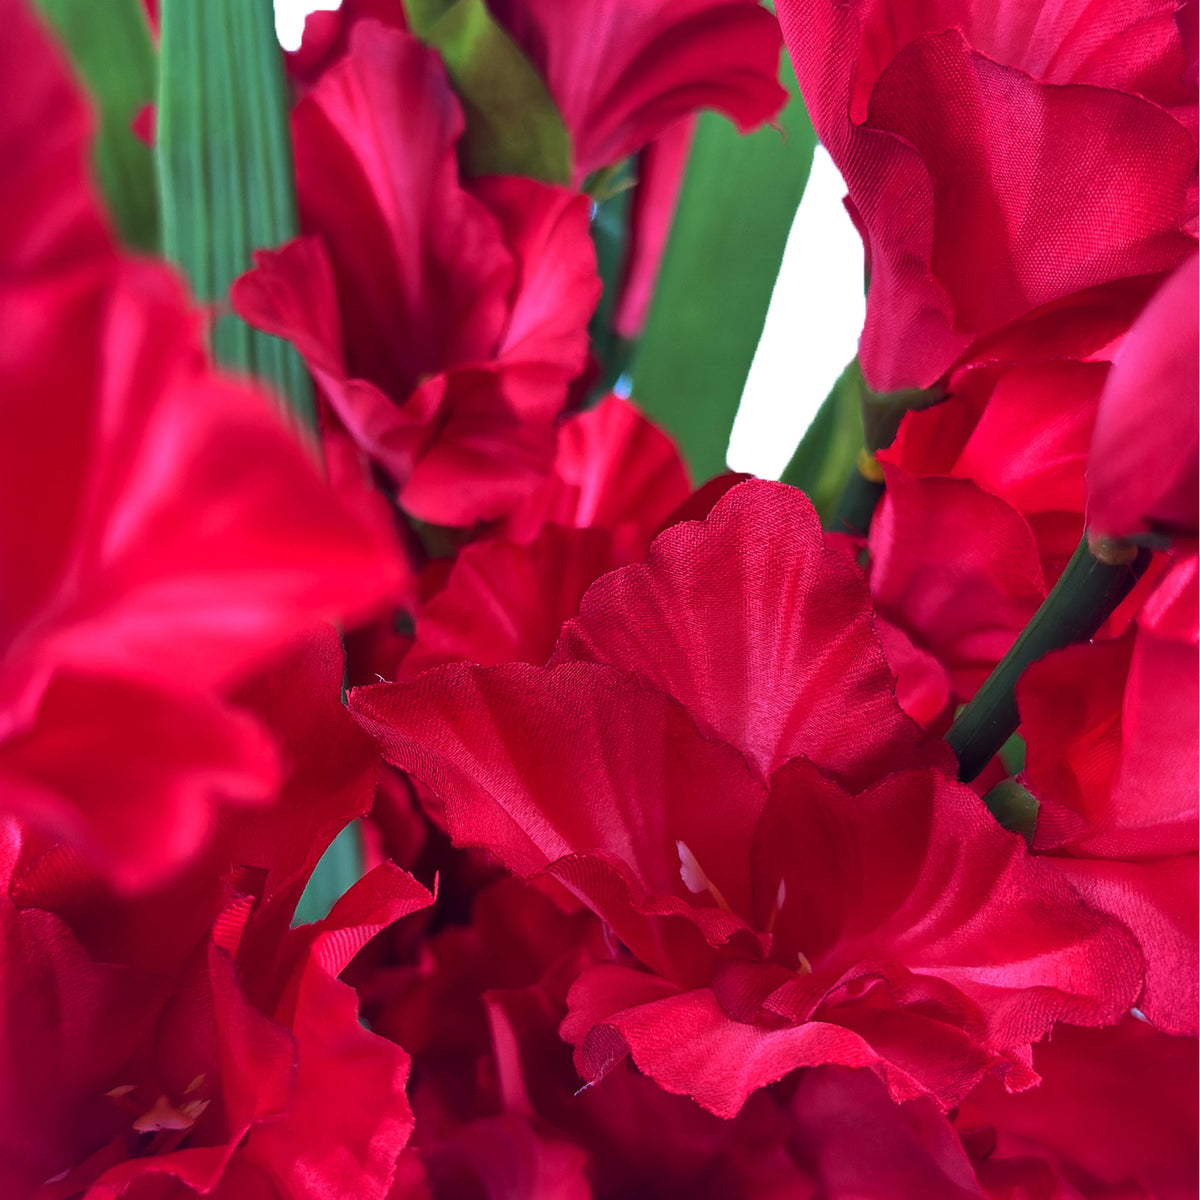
1020, 411
986, 489
442, 322
955, 564
792, 878
188, 1040
995, 165
1111, 731
162, 532
620, 74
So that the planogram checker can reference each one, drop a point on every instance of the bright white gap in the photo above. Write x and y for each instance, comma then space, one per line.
811, 331
289, 18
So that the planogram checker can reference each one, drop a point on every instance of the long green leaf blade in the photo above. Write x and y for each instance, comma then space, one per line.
225, 171
738, 200
827, 452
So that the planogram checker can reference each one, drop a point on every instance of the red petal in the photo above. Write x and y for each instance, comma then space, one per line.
547, 231
506, 603
763, 633
660, 169
1115, 1113
1142, 472
686, 1042
538, 765
423, 276
928, 115
957, 569
1157, 901
130, 773
621, 74
614, 470
50, 217
346, 1150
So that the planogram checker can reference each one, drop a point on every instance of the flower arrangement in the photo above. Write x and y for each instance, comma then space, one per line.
425, 774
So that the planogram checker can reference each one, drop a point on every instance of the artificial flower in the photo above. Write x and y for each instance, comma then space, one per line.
981, 150
442, 321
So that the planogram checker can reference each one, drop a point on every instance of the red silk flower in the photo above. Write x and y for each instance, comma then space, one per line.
1111, 731
621, 74
996, 161
985, 502
442, 321
163, 532
710, 788
986, 489
187, 1040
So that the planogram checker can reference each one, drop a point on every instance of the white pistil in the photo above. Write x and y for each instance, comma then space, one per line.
694, 877
780, 897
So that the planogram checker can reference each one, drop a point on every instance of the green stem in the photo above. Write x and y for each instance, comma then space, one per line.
1080, 602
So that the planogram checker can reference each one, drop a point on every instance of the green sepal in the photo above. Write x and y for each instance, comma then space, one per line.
736, 207
513, 125
223, 152
827, 452
109, 45
1012, 754
1014, 807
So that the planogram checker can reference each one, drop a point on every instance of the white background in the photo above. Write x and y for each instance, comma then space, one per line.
812, 326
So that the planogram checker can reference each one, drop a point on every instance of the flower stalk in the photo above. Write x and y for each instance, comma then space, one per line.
1080, 602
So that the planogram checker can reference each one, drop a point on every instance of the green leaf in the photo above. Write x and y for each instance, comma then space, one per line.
225, 171
827, 452
738, 200
109, 44
513, 124
339, 868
